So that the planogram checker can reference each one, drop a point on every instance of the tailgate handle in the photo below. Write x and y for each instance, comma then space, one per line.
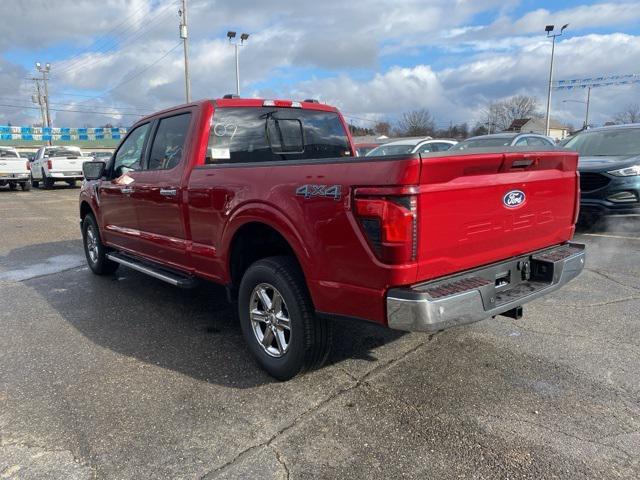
524, 163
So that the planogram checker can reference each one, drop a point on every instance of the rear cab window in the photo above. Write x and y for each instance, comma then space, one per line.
8, 153
266, 134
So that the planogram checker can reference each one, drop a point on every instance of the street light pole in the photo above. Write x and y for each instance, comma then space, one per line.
243, 37
549, 30
185, 44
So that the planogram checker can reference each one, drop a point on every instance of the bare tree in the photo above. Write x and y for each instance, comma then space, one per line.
498, 116
382, 128
416, 123
630, 114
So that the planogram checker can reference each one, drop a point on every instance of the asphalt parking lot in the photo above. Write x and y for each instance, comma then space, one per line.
126, 377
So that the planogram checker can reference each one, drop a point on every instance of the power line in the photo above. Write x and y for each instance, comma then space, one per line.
100, 41
110, 114
124, 108
140, 72
126, 41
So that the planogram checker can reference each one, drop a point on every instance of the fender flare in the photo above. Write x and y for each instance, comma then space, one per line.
258, 212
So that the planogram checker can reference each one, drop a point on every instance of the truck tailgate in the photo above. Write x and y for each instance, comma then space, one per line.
10, 166
475, 209
68, 165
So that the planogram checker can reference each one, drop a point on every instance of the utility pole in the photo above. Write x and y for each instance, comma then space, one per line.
37, 98
549, 30
45, 72
243, 38
185, 43
586, 118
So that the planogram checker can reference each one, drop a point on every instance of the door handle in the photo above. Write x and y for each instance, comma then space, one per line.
168, 192
127, 190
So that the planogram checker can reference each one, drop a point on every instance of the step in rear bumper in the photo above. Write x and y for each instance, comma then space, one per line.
480, 294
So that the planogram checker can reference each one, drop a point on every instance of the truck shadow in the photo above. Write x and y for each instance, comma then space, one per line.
193, 332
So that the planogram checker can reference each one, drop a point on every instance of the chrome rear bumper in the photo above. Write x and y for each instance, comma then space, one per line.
485, 292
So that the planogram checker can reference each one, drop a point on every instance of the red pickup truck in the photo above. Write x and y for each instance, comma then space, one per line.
268, 198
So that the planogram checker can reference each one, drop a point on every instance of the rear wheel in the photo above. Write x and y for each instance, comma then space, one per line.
26, 186
278, 320
94, 249
47, 182
71, 183
34, 182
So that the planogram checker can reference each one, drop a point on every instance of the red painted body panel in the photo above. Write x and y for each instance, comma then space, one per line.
461, 220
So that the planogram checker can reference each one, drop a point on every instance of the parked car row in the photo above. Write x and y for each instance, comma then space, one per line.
50, 164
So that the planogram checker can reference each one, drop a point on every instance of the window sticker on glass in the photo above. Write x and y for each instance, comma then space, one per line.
221, 153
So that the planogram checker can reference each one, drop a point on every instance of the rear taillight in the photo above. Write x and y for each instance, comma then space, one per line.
28, 166
49, 165
390, 224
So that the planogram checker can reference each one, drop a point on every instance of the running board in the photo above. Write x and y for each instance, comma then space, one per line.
172, 277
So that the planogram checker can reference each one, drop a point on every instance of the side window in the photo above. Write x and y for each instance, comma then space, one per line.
442, 146
129, 156
522, 142
168, 143
428, 147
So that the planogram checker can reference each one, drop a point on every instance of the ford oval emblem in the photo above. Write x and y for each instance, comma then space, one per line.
513, 198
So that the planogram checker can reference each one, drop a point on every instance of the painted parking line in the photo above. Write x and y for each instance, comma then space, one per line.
610, 236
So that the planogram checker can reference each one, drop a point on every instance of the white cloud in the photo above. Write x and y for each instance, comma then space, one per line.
345, 42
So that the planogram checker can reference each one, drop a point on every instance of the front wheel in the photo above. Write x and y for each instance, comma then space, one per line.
94, 249
71, 183
13, 186
278, 320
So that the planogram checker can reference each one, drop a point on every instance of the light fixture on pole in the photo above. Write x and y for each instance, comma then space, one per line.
550, 34
243, 38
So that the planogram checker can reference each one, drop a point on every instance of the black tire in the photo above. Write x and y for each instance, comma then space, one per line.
101, 265
71, 183
47, 182
309, 338
34, 182
26, 186
13, 186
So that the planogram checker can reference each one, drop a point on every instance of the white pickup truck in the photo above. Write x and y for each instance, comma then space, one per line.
57, 164
14, 170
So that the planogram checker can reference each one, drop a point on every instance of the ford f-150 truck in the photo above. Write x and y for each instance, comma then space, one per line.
57, 164
268, 198
14, 170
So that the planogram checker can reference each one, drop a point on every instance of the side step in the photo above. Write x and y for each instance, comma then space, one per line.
156, 271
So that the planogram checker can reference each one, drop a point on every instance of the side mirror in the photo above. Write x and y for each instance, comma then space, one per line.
93, 170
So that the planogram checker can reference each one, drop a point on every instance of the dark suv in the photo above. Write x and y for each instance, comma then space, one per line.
609, 171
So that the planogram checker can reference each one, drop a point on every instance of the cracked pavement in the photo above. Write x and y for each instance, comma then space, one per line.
126, 377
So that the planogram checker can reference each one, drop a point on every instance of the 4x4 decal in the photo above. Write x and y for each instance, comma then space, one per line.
311, 191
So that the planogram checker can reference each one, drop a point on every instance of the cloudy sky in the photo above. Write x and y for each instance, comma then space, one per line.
115, 59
